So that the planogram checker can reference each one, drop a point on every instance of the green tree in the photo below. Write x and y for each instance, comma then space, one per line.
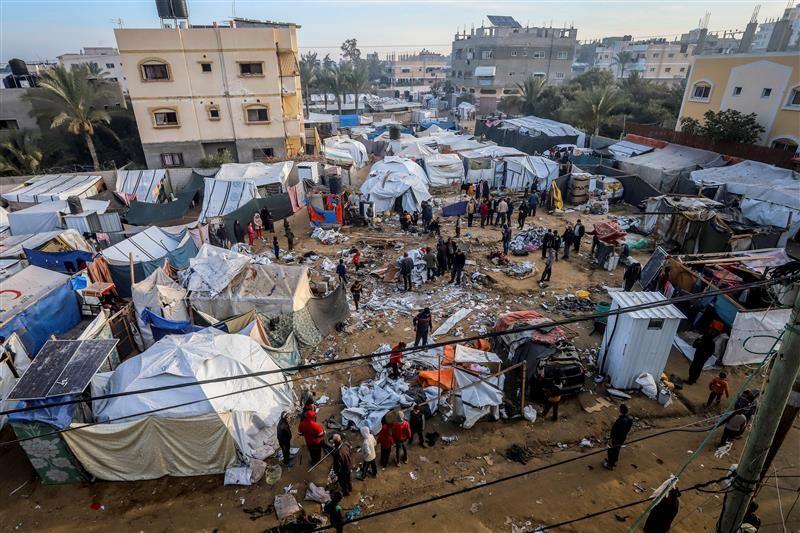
350, 51
375, 67
729, 125
20, 155
334, 79
309, 68
622, 60
690, 125
69, 98
217, 160
357, 81
593, 108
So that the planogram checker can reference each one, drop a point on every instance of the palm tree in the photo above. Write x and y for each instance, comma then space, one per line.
531, 90
20, 155
357, 78
95, 72
593, 107
336, 82
622, 59
69, 98
309, 68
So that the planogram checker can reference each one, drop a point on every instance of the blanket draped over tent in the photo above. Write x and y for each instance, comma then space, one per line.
394, 178
142, 185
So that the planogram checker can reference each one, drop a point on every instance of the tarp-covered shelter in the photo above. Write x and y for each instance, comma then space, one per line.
680, 220
145, 214
486, 163
279, 206
345, 151
48, 216
396, 184
148, 250
443, 169
49, 241
202, 435
417, 151
55, 187
36, 303
273, 176
142, 185
625, 149
161, 295
224, 284
220, 197
770, 195
529, 172
664, 167
529, 134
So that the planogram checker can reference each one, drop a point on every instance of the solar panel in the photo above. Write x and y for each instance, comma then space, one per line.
503, 21
62, 367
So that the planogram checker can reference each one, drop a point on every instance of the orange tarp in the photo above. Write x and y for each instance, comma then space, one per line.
434, 378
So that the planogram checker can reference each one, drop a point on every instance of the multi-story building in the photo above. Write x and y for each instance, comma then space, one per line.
423, 68
657, 60
767, 34
106, 58
197, 91
490, 61
767, 84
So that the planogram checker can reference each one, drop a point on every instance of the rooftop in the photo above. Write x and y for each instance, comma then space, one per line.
631, 299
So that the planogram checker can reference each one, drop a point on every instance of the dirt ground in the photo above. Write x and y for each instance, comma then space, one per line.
551, 496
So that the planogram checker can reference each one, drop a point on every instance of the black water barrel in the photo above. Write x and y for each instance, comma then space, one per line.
394, 133
335, 184
74, 204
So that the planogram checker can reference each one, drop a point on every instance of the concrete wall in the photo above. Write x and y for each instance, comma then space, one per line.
194, 151
14, 107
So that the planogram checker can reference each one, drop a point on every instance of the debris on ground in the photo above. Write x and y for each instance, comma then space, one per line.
527, 241
329, 236
520, 270
520, 454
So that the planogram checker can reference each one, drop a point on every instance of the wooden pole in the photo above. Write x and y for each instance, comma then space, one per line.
524, 379
130, 264
439, 379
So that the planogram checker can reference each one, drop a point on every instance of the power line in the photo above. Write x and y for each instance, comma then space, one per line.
490, 335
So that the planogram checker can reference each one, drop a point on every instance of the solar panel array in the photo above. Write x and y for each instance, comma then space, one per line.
503, 21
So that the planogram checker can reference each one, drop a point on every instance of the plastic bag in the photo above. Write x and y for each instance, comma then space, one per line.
529, 413
648, 385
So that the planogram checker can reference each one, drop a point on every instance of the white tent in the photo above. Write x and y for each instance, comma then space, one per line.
482, 163
433, 129
70, 239
663, 167
152, 243
392, 178
261, 174
523, 172
416, 151
770, 194
47, 216
140, 185
535, 126
55, 187
626, 149
466, 111
355, 150
220, 197
443, 169
161, 295
475, 398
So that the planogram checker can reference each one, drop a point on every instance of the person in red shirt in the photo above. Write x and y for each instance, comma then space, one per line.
396, 359
718, 386
357, 259
401, 432
313, 434
386, 441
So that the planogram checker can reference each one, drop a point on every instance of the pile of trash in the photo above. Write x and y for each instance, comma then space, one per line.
329, 236
520, 270
527, 241
366, 404
573, 304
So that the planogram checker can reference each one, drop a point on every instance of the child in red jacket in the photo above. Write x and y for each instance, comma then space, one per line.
386, 441
718, 386
401, 433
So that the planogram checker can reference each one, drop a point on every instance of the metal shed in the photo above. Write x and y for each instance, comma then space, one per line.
637, 341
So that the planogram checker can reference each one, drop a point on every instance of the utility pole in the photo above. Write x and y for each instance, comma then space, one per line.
780, 382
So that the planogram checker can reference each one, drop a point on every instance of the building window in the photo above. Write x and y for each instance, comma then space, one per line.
539, 75
670, 55
205, 67
171, 160
109, 65
766, 92
668, 69
260, 154
655, 323
683, 69
538, 55
251, 69
155, 71
256, 114
487, 54
213, 112
701, 91
652, 69
511, 73
787, 145
563, 54
794, 98
559, 75
165, 118
488, 91
737, 91
655, 55
513, 53
9, 124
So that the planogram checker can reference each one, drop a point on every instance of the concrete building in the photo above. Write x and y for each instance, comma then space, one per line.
106, 58
491, 60
658, 60
767, 84
16, 113
767, 36
423, 68
197, 91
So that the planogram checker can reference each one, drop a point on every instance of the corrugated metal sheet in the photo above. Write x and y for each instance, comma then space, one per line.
110, 222
631, 299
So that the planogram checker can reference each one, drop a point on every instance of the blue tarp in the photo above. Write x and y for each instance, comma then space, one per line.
55, 313
161, 326
348, 121
445, 124
66, 262
58, 417
455, 210
384, 129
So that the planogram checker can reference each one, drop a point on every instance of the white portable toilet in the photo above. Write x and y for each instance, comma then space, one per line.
637, 341
308, 170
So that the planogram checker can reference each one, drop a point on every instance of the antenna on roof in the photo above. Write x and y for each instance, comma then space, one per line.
118, 21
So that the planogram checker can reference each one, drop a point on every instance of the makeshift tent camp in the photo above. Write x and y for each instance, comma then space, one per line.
416, 151
663, 168
770, 195
55, 187
486, 164
50, 241
142, 185
160, 295
274, 176
196, 438
47, 216
443, 169
523, 172
466, 111
396, 184
224, 284
279, 206
146, 214
626, 149
21, 361
345, 151
36, 303
220, 197
148, 250
679, 220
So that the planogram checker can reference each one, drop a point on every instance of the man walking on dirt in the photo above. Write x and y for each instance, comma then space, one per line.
619, 432
406, 267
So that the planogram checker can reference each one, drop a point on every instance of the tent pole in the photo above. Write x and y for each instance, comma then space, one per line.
130, 264
522, 397
439, 380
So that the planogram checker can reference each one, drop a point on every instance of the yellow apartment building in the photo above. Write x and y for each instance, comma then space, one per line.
199, 90
767, 84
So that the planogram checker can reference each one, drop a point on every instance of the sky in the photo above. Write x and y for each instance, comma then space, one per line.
43, 29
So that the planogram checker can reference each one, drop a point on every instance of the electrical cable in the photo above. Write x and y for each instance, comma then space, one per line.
493, 334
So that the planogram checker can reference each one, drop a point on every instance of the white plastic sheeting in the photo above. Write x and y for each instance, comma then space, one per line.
220, 197
12, 247
663, 167
393, 178
261, 174
180, 359
161, 295
355, 150
763, 326
141, 185
474, 398
418, 151
443, 169
152, 243
626, 149
213, 268
771, 194
55, 187
365, 404
534, 126
46, 216
523, 172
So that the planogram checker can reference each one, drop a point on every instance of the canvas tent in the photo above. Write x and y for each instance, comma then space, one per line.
49, 241
48, 216
148, 250
200, 437
346, 151
55, 187
160, 295
626, 149
770, 195
262, 174
417, 151
220, 197
523, 172
142, 185
486, 163
443, 169
396, 184
663, 168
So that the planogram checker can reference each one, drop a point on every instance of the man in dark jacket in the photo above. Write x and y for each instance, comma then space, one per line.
547, 242
417, 422
341, 271
430, 264
427, 215
406, 267
285, 438
523, 214
459, 261
556, 242
661, 516
533, 202
422, 324
506, 237
703, 349
441, 257
579, 232
567, 238
632, 273
342, 464
619, 432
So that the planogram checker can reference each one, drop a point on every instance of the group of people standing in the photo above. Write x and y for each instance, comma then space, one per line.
552, 244
254, 230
